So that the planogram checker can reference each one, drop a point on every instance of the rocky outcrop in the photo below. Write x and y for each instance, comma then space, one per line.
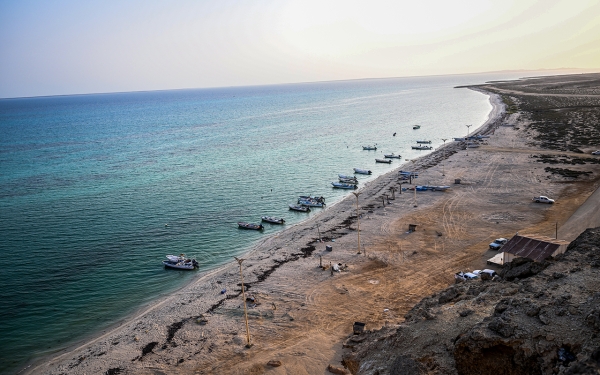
537, 318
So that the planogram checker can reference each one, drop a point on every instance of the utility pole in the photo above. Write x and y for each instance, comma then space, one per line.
468, 126
356, 194
443, 172
248, 345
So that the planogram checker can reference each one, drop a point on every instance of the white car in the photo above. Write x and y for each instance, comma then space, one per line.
597, 152
498, 243
543, 199
492, 273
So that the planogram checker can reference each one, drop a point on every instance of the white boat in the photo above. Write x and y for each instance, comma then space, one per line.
421, 147
272, 220
310, 203
341, 185
180, 262
347, 177
353, 181
369, 148
386, 161
297, 207
428, 142
392, 156
362, 171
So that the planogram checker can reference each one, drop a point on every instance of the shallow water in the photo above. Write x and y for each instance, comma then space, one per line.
96, 189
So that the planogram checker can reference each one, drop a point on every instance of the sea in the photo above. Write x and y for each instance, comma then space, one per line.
96, 189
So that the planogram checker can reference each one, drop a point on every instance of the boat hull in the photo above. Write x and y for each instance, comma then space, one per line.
299, 208
273, 220
362, 171
386, 161
250, 226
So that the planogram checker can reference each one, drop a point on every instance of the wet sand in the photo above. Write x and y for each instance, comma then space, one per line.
303, 313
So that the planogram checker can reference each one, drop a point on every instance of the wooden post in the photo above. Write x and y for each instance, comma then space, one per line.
320, 261
248, 345
383, 200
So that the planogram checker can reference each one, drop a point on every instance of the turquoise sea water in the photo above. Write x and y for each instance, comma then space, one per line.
96, 189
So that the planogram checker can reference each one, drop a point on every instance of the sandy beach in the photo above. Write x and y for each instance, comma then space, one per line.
301, 312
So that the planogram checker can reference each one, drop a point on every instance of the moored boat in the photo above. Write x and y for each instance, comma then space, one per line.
243, 225
369, 148
421, 147
341, 185
297, 207
180, 262
392, 156
353, 181
362, 171
428, 142
310, 203
347, 177
273, 220
387, 161
310, 197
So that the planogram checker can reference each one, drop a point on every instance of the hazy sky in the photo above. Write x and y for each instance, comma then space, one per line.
78, 46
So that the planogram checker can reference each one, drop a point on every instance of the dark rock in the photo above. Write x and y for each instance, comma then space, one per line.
274, 363
405, 365
465, 313
501, 327
558, 275
337, 370
448, 295
532, 310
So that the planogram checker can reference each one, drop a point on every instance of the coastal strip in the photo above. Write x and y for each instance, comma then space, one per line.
300, 312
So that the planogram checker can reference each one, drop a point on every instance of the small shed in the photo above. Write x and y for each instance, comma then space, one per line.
534, 247
412, 228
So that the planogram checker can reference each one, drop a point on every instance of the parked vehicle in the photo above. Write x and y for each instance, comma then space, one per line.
543, 199
464, 276
597, 152
492, 273
498, 243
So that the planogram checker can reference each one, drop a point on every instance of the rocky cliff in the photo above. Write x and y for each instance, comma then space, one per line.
536, 318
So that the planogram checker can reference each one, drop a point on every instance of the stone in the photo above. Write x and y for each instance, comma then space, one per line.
337, 370
274, 363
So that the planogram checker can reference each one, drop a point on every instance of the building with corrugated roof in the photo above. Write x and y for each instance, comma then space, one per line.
534, 247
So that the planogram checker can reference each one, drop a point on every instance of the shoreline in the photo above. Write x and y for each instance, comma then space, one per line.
369, 189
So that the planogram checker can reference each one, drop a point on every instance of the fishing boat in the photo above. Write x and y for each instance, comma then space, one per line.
362, 171
421, 147
408, 173
243, 225
180, 262
341, 185
347, 177
369, 148
309, 197
428, 142
310, 203
415, 127
272, 220
392, 156
387, 161
297, 207
353, 181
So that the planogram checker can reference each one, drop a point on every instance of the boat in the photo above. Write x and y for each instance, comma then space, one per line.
347, 177
459, 139
310, 203
353, 181
472, 145
309, 197
362, 171
422, 147
387, 161
180, 262
273, 220
297, 207
428, 142
369, 148
341, 185
243, 225
408, 173
392, 156
415, 127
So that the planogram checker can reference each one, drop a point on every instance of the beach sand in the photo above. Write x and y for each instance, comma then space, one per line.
304, 313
